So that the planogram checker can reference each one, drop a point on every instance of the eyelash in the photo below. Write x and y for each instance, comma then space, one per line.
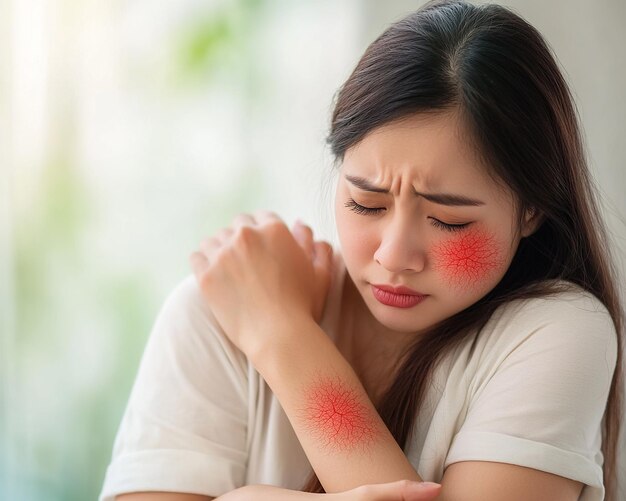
359, 209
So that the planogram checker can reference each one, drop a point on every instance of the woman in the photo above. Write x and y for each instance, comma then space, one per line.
467, 333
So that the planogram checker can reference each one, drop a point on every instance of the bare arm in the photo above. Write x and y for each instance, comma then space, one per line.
162, 496
347, 443
344, 438
394, 491
467, 481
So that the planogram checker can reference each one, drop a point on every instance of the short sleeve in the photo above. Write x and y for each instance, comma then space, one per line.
184, 427
540, 402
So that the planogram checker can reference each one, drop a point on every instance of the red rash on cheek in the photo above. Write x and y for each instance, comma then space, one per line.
336, 417
470, 259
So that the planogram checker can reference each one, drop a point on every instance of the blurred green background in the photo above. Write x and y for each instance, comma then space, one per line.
129, 131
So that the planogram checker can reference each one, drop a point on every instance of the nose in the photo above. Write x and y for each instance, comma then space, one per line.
400, 249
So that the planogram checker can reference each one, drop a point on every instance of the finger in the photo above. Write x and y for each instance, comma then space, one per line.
209, 245
421, 491
264, 216
304, 235
224, 234
243, 220
323, 259
199, 263
402, 490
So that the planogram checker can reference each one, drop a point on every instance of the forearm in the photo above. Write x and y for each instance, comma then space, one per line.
271, 493
337, 425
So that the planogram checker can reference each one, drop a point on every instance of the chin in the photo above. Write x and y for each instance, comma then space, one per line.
410, 320
405, 326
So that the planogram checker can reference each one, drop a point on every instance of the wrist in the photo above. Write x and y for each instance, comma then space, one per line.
282, 338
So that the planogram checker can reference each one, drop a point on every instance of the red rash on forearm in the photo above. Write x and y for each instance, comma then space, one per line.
470, 259
336, 416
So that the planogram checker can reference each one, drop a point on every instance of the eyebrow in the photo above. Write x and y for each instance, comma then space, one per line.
438, 198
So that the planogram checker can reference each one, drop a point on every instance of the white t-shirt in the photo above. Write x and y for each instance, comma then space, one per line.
530, 392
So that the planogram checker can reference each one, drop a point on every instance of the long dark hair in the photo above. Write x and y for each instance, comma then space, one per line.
499, 73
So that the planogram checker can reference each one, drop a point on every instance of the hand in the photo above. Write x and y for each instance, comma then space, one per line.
401, 490
257, 274
316, 249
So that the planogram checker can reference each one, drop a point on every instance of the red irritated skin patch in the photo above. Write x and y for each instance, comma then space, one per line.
337, 416
469, 260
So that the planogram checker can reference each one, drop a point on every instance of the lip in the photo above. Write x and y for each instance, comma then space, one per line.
398, 290
397, 300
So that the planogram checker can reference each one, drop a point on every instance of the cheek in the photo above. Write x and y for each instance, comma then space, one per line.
469, 261
353, 237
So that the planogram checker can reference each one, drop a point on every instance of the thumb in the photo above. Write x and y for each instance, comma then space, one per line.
323, 257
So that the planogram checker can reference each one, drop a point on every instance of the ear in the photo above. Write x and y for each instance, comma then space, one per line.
532, 221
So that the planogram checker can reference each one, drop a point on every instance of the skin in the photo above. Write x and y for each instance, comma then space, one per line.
335, 415
469, 260
401, 244
400, 490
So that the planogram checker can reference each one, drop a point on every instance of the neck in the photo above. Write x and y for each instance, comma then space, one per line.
372, 349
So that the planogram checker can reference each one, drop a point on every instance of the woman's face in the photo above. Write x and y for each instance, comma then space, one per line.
453, 243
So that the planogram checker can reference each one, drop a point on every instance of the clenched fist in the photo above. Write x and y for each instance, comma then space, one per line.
257, 274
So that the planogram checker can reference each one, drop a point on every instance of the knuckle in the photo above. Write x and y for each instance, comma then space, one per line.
223, 233
276, 227
308, 230
218, 256
205, 245
244, 236
245, 232
324, 249
324, 246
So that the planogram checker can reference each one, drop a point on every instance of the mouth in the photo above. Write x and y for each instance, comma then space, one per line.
401, 290
397, 300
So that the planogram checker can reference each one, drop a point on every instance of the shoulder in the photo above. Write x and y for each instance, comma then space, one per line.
186, 324
185, 293
184, 304
536, 382
570, 324
570, 307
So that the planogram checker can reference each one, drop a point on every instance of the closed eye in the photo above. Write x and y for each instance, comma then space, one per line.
360, 209
448, 227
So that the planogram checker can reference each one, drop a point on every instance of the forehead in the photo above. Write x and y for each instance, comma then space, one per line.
432, 151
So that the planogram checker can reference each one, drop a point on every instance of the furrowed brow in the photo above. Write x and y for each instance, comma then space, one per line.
449, 199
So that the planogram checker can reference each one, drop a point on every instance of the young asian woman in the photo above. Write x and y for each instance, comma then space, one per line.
467, 332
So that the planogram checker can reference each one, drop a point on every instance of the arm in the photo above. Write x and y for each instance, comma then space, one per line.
344, 438
262, 285
184, 427
334, 420
163, 496
394, 491
347, 443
